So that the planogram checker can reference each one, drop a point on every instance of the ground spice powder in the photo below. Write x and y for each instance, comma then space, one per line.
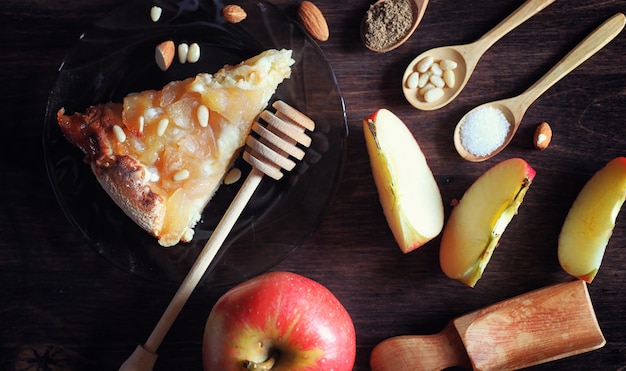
387, 22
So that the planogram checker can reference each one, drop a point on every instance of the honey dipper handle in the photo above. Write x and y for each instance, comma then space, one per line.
144, 356
428, 352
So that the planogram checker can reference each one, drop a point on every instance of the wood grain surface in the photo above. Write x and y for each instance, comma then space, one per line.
65, 307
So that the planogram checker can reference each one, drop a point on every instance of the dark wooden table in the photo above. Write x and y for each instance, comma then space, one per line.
60, 300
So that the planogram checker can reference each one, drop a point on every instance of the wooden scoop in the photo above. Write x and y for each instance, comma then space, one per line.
268, 152
537, 327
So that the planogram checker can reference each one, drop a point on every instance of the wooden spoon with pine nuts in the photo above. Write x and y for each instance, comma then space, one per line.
465, 58
268, 150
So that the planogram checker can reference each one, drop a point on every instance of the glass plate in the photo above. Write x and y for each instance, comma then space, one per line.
116, 58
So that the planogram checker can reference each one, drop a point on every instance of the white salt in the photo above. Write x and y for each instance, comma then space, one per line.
483, 130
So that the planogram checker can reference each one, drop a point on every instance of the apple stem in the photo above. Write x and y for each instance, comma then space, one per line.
268, 364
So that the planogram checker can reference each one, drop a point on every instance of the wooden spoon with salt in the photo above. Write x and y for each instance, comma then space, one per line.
268, 154
418, 8
540, 326
514, 108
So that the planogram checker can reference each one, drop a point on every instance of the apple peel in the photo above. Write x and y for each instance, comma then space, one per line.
590, 222
407, 190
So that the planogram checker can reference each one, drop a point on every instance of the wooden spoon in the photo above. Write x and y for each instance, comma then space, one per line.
418, 8
268, 155
467, 56
540, 326
515, 108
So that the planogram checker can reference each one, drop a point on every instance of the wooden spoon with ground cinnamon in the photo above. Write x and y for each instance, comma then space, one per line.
389, 23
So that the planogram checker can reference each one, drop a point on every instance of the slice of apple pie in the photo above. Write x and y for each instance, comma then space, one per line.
161, 155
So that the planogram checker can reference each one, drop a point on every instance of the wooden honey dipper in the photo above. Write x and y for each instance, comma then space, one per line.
268, 154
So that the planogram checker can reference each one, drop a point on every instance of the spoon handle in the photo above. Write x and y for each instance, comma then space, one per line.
519, 16
424, 352
595, 41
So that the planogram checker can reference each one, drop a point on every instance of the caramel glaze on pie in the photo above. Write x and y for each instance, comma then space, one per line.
162, 154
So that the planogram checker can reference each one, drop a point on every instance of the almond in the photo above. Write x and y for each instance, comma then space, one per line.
543, 136
164, 54
313, 20
233, 13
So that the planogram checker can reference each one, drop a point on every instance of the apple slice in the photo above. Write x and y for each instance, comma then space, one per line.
407, 189
590, 221
480, 218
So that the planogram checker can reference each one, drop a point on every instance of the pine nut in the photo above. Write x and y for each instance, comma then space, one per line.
436, 70
181, 175
142, 122
437, 81
426, 88
423, 80
423, 65
162, 126
413, 80
155, 13
203, 115
448, 64
183, 50
232, 176
433, 94
449, 78
119, 133
193, 54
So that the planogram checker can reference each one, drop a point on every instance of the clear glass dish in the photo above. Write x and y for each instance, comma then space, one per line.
116, 58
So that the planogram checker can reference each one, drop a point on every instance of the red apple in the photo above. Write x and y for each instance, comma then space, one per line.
279, 321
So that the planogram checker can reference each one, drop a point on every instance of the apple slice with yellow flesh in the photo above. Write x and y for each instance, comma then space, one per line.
479, 219
591, 219
407, 189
